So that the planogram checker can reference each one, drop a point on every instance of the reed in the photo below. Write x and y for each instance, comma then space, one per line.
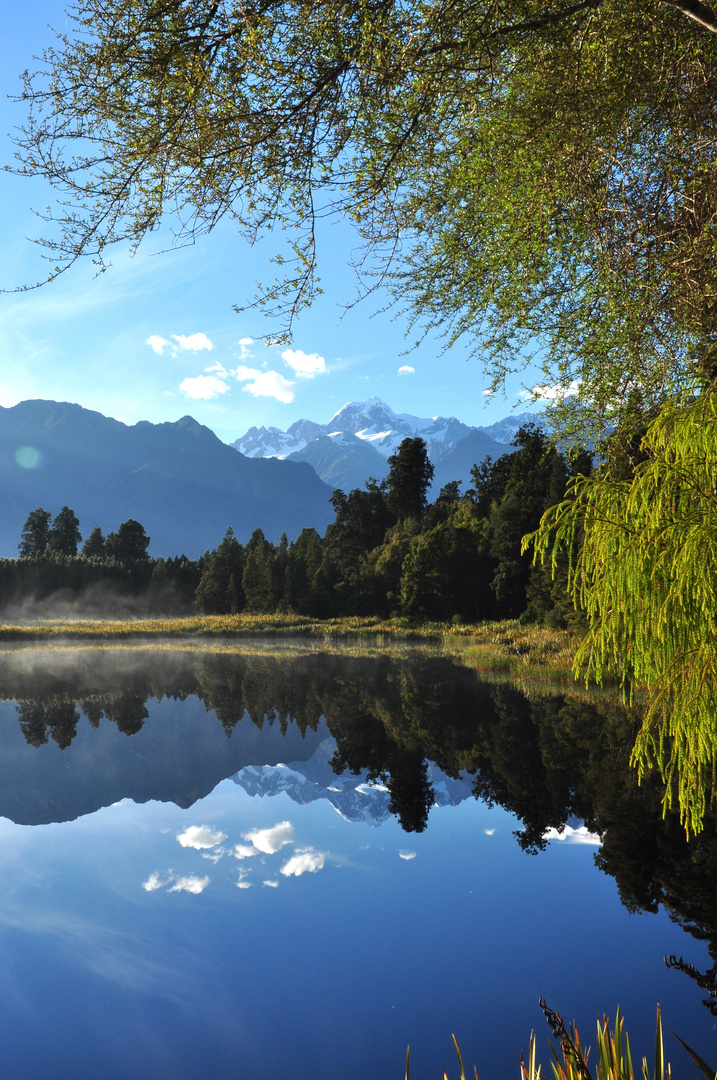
613, 1054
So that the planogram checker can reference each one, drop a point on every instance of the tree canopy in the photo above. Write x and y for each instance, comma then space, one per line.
536, 177
646, 575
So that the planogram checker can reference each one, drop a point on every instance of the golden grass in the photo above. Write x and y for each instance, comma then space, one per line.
506, 649
220, 626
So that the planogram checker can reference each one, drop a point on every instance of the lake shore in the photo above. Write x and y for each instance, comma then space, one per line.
505, 646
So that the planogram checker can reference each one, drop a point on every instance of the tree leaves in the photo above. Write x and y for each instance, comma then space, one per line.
646, 575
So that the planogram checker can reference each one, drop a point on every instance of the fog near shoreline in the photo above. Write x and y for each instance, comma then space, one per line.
96, 602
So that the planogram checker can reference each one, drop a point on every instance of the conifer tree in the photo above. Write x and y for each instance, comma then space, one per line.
35, 534
64, 536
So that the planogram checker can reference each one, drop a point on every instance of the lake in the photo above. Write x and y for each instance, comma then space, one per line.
288, 861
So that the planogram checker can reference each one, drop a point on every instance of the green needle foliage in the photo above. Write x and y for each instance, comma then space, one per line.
645, 572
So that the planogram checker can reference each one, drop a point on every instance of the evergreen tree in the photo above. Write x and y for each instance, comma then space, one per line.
94, 545
129, 543
305, 555
35, 534
64, 536
409, 479
215, 593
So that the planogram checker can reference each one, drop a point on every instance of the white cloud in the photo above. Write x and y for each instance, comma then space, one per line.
556, 393
271, 840
242, 882
244, 345
156, 881
193, 342
489, 832
305, 861
157, 344
244, 373
200, 837
267, 384
189, 342
244, 851
191, 884
304, 365
215, 855
271, 884
573, 836
407, 855
203, 387
407, 370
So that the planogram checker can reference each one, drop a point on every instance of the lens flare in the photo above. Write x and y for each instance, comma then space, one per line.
27, 457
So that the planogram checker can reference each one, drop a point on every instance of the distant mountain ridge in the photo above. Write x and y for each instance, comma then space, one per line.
358, 439
178, 479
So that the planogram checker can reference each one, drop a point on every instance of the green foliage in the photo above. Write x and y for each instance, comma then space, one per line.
35, 534
224, 567
614, 1060
64, 536
94, 545
409, 478
129, 543
538, 178
645, 573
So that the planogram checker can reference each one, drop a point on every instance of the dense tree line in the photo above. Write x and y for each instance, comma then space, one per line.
387, 551
103, 575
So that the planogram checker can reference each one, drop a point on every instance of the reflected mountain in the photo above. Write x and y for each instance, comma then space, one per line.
354, 796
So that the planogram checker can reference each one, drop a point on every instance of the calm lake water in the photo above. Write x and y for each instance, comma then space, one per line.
289, 863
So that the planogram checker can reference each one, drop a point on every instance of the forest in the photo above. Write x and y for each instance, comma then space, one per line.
388, 551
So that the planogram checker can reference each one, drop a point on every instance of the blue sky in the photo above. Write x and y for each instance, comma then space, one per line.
156, 337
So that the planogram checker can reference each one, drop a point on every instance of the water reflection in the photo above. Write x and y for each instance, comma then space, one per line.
416, 729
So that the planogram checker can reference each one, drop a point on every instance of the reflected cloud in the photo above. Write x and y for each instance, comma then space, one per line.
407, 855
244, 851
200, 837
304, 861
271, 840
214, 856
191, 884
573, 836
157, 881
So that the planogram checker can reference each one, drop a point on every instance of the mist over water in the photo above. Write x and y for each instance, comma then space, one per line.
97, 601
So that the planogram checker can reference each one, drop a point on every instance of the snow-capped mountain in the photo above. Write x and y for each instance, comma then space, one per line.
504, 430
358, 439
372, 421
352, 796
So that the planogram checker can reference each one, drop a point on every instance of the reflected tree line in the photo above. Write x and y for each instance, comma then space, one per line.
548, 759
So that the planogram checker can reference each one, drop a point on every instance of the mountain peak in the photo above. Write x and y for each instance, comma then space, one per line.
350, 414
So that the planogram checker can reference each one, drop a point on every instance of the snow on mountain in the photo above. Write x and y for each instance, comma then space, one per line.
504, 430
352, 796
372, 421
268, 442
357, 441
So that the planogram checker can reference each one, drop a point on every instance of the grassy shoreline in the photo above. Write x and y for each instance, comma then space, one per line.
494, 647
